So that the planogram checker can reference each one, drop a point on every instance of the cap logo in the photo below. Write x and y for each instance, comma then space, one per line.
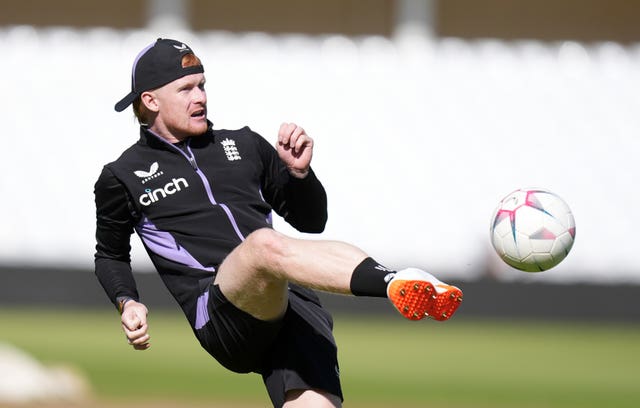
181, 47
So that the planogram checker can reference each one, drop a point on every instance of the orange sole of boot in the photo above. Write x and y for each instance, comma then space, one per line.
417, 299
412, 298
446, 303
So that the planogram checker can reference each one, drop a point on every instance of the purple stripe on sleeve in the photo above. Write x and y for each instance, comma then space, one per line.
162, 243
202, 313
269, 218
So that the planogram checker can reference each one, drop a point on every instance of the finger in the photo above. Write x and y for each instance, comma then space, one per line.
141, 346
131, 319
282, 133
303, 142
131, 323
137, 333
286, 130
134, 318
296, 134
140, 340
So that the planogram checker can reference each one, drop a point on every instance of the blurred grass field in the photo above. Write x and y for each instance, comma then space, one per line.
383, 362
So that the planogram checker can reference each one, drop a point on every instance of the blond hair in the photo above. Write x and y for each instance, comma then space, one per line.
141, 111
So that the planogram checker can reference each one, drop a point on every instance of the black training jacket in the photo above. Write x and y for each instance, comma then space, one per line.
191, 204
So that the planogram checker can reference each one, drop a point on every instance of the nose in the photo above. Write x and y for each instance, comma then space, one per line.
200, 95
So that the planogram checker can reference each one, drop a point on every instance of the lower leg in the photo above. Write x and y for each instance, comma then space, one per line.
415, 293
320, 265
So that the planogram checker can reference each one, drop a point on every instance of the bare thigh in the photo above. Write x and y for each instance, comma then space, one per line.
247, 279
255, 275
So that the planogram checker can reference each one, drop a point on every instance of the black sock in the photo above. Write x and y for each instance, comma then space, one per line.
370, 279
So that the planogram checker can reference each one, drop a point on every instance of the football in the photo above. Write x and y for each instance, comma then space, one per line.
532, 230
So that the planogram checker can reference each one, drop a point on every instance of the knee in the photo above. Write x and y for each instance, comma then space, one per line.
269, 248
311, 398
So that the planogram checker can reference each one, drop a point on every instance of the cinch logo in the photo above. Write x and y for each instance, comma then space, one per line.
152, 196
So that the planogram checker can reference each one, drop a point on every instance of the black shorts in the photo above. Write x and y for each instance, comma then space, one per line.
297, 352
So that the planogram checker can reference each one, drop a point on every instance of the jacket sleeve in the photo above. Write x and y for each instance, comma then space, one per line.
301, 202
114, 226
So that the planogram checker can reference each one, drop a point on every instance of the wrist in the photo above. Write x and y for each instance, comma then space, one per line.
121, 302
299, 174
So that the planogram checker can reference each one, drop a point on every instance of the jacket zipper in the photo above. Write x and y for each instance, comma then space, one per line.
192, 161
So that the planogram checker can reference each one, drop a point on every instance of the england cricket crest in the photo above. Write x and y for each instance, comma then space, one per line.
230, 149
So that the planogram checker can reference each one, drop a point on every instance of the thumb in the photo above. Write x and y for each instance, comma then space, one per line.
132, 319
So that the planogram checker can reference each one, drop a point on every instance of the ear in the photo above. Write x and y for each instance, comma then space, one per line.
150, 101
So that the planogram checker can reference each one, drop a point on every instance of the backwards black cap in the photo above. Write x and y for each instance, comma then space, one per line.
158, 64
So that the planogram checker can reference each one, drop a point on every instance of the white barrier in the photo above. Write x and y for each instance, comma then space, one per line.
416, 141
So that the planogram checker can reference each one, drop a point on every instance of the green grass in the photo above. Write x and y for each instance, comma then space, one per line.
175, 367
383, 362
492, 364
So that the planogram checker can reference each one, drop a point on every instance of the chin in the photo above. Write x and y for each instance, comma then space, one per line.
198, 130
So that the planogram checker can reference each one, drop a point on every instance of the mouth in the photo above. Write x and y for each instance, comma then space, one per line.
199, 114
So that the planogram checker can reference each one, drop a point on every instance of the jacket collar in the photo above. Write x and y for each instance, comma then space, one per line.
149, 138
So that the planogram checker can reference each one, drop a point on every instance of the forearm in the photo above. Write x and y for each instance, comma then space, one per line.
116, 279
114, 226
307, 203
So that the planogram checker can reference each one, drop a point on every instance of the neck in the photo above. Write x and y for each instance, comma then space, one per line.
169, 138
166, 134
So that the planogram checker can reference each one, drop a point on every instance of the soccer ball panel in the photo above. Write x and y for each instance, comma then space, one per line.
502, 226
523, 245
529, 220
532, 230
553, 225
562, 245
542, 245
542, 261
513, 200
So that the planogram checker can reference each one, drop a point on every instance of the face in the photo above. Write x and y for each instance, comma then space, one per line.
181, 108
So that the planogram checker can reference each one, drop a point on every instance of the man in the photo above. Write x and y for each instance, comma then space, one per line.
201, 200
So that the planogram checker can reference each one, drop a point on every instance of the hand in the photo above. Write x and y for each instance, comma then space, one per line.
134, 324
295, 149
